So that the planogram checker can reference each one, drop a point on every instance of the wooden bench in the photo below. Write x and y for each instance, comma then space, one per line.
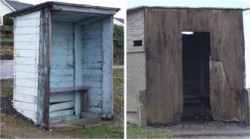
81, 102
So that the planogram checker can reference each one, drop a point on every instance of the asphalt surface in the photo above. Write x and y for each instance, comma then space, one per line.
6, 69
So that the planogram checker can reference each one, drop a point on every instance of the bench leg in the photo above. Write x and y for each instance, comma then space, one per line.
85, 101
77, 103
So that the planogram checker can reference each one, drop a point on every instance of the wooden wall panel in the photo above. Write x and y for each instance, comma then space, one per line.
163, 62
26, 64
107, 67
92, 61
164, 95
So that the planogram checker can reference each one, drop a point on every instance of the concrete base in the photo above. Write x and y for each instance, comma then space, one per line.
142, 119
77, 124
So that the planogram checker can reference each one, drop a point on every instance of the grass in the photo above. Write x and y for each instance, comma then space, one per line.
11, 120
6, 49
103, 131
118, 80
135, 132
6, 87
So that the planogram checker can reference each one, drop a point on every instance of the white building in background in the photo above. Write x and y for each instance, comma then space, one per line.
7, 6
119, 21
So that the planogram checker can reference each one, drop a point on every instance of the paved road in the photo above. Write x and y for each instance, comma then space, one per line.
6, 68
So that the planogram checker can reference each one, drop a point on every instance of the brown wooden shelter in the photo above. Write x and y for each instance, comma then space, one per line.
194, 62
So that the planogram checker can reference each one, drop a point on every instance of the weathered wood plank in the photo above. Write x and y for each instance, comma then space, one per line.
84, 103
61, 97
61, 113
67, 83
92, 83
25, 105
25, 98
107, 82
61, 106
27, 30
31, 22
25, 75
61, 72
27, 82
25, 90
26, 45
44, 69
33, 15
26, 53
30, 114
78, 67
25, 61
164, 90
66, 89
26, 37
26, 68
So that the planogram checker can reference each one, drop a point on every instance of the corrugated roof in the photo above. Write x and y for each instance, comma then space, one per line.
51, 4
134, 9
18, 5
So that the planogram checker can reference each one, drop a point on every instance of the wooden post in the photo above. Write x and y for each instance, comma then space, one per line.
107, 81
77, 51
43, 95
142, 119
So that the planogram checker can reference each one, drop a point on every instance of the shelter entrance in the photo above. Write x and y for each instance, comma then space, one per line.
196, 81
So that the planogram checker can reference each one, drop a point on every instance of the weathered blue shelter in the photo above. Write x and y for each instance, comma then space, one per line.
63, 62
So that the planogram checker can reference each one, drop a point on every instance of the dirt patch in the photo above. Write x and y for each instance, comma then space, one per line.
7, 108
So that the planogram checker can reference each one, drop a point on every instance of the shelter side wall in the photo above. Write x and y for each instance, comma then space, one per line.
92, 61
136, 58
26, 46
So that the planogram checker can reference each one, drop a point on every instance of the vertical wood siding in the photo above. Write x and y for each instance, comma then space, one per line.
26, 47
92, 61
164, 97
163, 62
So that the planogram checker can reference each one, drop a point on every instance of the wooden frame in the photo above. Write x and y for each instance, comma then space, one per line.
44, 69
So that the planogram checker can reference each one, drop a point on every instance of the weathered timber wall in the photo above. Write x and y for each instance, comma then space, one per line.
163, 62
164, 95
26, 55
92, 58
136, 59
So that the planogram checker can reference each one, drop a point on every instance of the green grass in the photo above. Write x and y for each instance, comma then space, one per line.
135, 132
118, 80
6, 87
103, 131
6, 49
11, 120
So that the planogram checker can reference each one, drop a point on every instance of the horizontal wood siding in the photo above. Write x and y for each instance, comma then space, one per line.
62, 70
92, 61
61, 55
26, 45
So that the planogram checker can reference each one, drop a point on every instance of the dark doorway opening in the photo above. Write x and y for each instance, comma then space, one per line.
196, 82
